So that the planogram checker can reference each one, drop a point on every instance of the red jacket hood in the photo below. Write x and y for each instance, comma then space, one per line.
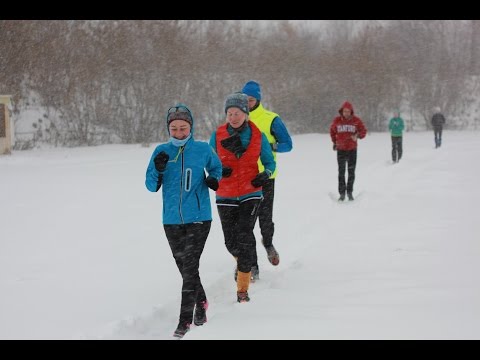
346, 105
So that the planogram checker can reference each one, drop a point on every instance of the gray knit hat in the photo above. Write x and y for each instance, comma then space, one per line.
238, 100
179, 112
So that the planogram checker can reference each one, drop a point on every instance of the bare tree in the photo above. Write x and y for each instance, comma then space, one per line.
112, 81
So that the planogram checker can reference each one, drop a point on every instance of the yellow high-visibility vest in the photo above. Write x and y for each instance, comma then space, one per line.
263, 119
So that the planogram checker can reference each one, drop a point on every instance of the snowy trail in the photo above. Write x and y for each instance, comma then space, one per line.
83, 253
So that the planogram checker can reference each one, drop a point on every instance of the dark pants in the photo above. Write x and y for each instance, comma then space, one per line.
238, 221
346, 159
187, 242
397, 149
437, 132
265, 216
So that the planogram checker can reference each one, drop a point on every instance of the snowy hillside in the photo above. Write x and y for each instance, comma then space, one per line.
83, 253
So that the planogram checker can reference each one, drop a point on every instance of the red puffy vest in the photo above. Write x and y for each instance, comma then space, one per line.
244, 168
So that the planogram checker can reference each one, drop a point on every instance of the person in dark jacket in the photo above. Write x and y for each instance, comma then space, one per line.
277, 135
240, 145
344, 131
178, 166
396, 126
438, 121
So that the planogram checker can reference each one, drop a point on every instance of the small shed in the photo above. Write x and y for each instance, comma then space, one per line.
6, 129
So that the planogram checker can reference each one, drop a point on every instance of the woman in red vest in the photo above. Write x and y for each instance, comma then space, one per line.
239, 145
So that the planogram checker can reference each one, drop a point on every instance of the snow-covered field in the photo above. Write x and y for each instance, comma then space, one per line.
83, 253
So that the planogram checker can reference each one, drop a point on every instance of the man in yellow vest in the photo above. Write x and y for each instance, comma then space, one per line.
277, 134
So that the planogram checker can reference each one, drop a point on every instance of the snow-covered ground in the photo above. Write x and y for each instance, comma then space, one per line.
83, 253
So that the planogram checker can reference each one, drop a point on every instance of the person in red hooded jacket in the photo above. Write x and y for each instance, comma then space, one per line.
344, 131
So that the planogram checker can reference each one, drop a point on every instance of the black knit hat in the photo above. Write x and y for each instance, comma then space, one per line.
179, 112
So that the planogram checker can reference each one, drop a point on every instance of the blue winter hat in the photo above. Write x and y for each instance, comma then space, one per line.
237, 100
252, 88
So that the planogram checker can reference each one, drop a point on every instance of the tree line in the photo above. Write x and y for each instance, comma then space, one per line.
112, 81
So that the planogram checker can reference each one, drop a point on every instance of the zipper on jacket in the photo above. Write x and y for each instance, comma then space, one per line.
181, 188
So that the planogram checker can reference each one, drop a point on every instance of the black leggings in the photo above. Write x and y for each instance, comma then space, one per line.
345, 157
187, 242
437, 132
265, 214
397, 149
238, 221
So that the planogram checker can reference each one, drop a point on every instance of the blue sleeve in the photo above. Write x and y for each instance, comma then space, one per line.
214, 165
213, 141
152, 176
266, 156
280, 132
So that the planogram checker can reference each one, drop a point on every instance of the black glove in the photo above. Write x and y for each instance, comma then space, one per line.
226, 171
260, 179
161, 161
234, 145
159, 182
334, 147
212, 183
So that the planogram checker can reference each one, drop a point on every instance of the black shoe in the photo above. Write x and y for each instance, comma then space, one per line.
200, 316
273, 255
342, 197
182, 329
255, 273
350, 197
242, 297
